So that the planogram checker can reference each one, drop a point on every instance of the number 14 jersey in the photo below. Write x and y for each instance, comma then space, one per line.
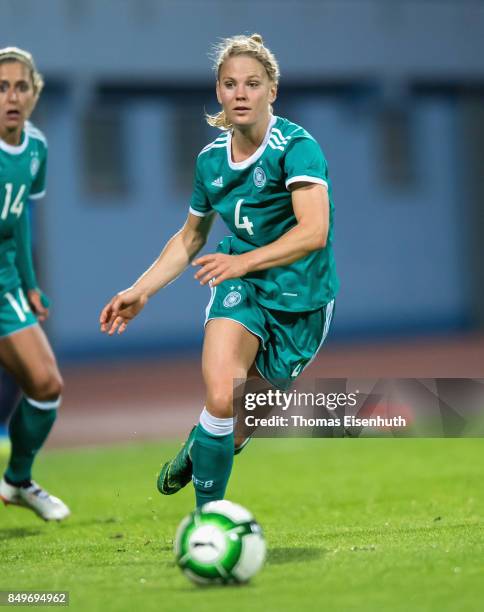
22, 177
254, 200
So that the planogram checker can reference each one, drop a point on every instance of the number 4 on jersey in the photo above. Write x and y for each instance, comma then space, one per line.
245, 224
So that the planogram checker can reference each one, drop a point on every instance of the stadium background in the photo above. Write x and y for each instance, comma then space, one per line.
393, 91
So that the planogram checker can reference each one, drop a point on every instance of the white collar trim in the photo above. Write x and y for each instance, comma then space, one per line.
250, 160
15, 149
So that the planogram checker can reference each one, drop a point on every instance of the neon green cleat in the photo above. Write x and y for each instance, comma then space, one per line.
177, 473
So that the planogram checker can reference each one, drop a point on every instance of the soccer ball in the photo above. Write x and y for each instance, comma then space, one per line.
220, 543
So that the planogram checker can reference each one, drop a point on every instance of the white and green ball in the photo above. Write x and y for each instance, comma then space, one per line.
220, 543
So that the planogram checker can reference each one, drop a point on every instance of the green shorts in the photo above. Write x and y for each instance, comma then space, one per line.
289, 341
15, 313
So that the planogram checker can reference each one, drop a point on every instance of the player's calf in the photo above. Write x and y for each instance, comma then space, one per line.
212, 456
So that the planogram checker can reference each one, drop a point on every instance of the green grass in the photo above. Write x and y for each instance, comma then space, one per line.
351, 525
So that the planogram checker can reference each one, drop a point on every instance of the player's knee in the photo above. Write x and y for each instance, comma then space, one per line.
47, 387
219, 402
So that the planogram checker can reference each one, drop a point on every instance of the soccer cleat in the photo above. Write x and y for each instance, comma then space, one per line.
177, 473
34, 498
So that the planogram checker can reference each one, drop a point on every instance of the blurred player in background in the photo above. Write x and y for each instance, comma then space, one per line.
24, 349
273, 282
9, 396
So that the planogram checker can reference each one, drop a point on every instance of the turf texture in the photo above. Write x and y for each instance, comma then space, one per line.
391, 524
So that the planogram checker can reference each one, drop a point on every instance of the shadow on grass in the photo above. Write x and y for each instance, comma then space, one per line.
275, 556
15, 533
283, 554
89, 522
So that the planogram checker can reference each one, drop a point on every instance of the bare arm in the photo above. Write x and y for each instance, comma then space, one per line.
311, 209
25, 266
174, 258
177, 254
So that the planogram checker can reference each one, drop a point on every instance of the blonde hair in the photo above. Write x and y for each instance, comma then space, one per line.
14, 54
252, 46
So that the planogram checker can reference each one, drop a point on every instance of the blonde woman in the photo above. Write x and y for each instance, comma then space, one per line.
273, 281
24, 349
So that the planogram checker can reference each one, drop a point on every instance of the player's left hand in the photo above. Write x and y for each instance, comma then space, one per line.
218, 267
34, 297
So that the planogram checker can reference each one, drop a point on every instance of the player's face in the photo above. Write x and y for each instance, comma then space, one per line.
16, 98
245, 91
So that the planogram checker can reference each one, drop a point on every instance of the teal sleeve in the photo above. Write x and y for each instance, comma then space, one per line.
24, 261
304, 162
199, 203
37, 190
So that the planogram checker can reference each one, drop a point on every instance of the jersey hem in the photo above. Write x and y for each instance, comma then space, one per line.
13, 285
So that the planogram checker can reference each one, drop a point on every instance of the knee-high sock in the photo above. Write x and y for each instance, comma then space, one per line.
212, 456
28, 428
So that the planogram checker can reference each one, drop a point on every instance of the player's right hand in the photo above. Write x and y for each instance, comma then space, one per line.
121, 309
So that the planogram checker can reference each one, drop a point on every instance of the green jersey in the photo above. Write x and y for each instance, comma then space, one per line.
253, 199
22, 176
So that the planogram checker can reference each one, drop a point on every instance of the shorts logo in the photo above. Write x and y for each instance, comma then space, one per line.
232, 299
34, 166
259, 177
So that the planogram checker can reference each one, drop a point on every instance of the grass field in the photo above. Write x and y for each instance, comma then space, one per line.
351, 525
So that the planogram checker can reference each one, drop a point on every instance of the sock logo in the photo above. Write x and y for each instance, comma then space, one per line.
204, 484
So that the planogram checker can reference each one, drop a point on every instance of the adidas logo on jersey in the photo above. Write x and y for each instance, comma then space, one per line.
218, 182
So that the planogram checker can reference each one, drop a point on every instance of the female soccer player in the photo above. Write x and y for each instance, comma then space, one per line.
273, 282
10, 392
24, 349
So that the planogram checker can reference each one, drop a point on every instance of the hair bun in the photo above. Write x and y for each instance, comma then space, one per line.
257, 38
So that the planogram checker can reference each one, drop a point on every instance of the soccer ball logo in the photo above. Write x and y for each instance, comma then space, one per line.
220, 543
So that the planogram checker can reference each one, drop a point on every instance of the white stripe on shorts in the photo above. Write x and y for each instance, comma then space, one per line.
328, 315
213, 291
16, 306
23, 300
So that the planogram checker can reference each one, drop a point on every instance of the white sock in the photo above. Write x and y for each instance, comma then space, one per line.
216, 426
